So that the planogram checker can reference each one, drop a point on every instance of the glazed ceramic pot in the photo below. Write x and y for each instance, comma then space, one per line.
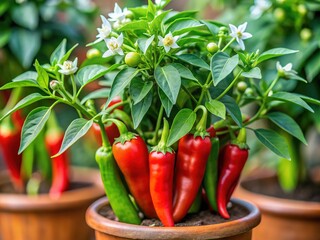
42, 218
106, 229
281, 219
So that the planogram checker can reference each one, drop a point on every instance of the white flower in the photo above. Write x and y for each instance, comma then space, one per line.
158, 2
114, 46
286, 68
285, 71
68, 67
168, 41
118, 14
259, 7
239, 34
85, 5
104, 31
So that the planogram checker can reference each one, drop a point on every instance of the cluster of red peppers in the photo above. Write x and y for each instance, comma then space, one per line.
165, 183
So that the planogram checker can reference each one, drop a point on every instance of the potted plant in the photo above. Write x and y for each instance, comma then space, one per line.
172, 129
46, 193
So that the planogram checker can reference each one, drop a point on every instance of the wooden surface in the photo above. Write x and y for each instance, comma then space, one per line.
43, 218
283, 219
111, 230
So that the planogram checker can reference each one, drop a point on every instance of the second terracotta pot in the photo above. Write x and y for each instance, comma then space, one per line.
106, 229
282, 219
42, 218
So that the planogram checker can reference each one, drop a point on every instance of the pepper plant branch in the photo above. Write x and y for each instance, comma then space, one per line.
230, 86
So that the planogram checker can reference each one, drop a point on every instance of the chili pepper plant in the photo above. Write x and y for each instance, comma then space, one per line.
174, 92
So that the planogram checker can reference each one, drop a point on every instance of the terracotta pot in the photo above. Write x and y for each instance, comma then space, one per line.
42, 218
282, 219
106, 229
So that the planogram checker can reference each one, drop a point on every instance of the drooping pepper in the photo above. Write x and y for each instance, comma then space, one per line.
193, 153
210, 179
60, 163
231, 162
116, 192
132, 156
9, 142
161, 162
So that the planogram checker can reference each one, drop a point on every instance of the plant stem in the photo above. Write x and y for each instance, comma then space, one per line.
74, 88
228, 44
154, 140
204, 89
230, 86
104, 137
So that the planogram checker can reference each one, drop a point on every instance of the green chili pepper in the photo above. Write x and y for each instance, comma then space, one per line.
116, 192
211, 174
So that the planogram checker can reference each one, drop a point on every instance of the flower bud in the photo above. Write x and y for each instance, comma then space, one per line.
242, 86
212, 47
93, 52
306, 34
132, 59
279, 14
54, 85
302, 9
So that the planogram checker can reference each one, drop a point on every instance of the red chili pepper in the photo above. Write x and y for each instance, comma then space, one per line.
231, 162
161, 162
60, 163
9, 142
132, 157
193, 153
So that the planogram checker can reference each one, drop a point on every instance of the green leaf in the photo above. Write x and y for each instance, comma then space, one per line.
165, 101
184, 72
288, 124
140, 109
4, 37
292, 98
135, 25
32, 98
23, 83
139, 89
121, 81
309, 99
43, 77
233, 109
274, 141
4, 5
67, 55
156, 22
273, 53
312, 67
168, 79
100, 93
222, 65
25, 45
214, 27
183, 25
194, 60
217, 108
179, 15
90, 73
77, 129
26, 15
181, 125
144, 43
33, 125
29, 75
58, 53
253, 73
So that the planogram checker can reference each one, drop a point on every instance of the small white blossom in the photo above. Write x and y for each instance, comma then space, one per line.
168, 42
259, 7
286, 68
104, 31
239, 34
114, 46
118, 14
68, 67
158, 2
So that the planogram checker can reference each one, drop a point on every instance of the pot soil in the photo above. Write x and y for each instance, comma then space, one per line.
238, 228
41, 217
282, 219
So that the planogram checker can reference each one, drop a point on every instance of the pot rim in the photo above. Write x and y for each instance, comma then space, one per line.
214, 231
274, 205
69, 199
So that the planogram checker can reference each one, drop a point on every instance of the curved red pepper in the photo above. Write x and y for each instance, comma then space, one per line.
231, 162
132, 156
9, 144
161, 161
60, 164
193, 153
